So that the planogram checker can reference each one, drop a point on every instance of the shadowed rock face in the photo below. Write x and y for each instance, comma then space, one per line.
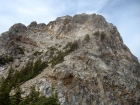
17, 28
91, 64
32, 25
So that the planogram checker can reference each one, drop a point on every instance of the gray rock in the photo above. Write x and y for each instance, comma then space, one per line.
17, 28
41, 25
101, 71
32, 25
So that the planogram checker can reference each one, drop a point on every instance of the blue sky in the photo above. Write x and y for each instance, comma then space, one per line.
125, 14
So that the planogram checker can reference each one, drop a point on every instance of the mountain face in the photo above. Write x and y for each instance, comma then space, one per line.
88, 63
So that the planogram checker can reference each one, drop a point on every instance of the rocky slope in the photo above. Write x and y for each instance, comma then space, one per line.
97, 69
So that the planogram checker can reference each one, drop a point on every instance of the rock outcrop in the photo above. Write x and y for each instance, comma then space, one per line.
97, 67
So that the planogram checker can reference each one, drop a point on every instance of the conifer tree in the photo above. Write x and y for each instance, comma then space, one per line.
16, 98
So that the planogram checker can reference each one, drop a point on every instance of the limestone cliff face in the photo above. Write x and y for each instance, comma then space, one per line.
101, 70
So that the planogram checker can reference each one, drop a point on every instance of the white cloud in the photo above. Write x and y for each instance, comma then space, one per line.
31, 11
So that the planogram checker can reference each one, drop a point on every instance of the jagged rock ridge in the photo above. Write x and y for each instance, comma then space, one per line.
101, 70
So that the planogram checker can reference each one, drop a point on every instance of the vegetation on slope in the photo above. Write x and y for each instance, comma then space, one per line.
33, 99
60, 54
14, 79
30, 71
102, 35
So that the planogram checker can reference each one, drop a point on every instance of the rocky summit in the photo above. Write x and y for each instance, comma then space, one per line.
87, 61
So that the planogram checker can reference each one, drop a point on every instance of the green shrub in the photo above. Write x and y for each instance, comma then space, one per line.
103, 36
97, 33
72, 46
2, 61
28, 72
32, 70
60, 55
51, 53
16, 66
52, 48
58, 59
16, 98
21, 50
37, 53
6, 59
34, 99
10, 59
87, 38
68, 45
15, 78
5, 88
